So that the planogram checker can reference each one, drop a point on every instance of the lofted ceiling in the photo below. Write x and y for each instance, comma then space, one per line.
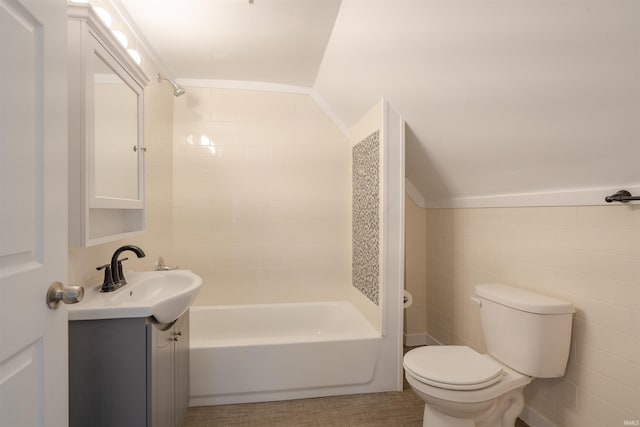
277, 41
500, 97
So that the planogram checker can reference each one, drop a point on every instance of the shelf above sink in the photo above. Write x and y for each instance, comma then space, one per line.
165, 295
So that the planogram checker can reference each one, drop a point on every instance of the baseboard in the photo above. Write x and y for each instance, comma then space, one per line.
534, 418
415, 340
432, 341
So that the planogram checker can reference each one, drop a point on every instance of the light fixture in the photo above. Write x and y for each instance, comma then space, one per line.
135, 55
103, 15
122, 39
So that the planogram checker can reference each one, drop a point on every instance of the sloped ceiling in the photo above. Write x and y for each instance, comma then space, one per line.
276, 41
500, 97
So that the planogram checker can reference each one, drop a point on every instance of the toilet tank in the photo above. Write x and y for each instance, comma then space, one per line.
528, 332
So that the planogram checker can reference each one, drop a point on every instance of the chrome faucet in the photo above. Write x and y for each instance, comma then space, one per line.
113, 274
161, 266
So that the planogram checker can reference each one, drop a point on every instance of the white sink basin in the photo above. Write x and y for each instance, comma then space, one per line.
165, 295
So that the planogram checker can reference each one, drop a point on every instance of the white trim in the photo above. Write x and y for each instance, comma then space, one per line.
534, 418
139, 36
322, 104
577, 197
432, 341
104, 37
414, 193
383, 215
415, 340
270, 87
393, 228
245, 85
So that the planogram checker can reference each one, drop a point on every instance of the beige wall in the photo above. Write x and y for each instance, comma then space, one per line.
263, 214
587, 255
415, 276
156, 240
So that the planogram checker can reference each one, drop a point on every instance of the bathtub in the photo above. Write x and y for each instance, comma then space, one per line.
266, 352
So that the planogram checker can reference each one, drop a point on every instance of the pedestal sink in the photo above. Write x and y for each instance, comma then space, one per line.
165, 295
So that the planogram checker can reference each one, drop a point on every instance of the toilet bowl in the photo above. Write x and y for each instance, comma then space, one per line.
527, 336
463, 388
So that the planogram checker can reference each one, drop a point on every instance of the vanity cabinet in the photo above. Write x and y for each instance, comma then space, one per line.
106, 141
170, 375
128, 372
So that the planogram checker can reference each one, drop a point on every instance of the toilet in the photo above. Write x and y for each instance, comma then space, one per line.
527, 336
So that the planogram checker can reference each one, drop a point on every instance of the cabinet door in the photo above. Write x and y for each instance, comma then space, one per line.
163, 378
106, 97
108, 375
182, 367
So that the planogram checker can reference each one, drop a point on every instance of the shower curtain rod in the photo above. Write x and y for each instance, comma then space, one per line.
622, 196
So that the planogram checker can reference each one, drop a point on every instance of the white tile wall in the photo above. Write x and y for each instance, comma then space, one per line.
415, 317
587, 255
263, 213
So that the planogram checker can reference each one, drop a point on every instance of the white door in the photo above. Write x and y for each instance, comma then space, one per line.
33, 212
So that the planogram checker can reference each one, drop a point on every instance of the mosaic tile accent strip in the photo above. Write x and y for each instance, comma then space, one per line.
365, 216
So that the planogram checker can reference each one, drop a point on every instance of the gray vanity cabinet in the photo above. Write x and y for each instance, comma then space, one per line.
182, 368
170, 375
128, 372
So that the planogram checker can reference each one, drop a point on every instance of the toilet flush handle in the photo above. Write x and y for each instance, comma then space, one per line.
478, 301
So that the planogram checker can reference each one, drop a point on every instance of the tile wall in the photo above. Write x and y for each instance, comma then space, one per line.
415, 272
261, 196
365, 224
587, 255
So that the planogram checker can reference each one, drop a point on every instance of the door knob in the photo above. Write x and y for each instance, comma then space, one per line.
58, 293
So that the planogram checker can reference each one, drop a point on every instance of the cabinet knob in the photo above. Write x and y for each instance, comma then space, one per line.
174, 339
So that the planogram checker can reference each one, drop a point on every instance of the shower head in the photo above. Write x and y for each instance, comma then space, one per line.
177, 89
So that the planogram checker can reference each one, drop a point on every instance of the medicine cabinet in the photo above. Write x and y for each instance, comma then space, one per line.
106, 142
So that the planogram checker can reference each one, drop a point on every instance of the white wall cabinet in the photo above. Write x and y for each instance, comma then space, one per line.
106, 141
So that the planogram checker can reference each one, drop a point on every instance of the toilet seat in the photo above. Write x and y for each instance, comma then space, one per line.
453, 367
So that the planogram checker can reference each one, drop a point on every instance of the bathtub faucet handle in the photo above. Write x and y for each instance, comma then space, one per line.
160, 265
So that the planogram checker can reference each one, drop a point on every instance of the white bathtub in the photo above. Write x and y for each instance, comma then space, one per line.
264, 352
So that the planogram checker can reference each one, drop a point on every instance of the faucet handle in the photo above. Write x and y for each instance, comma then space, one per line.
107, 283
160, 265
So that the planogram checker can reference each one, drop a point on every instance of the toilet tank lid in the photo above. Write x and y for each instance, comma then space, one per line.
522, 300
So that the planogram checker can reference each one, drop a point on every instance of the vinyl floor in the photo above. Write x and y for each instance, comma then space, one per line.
378, 409
390, 409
